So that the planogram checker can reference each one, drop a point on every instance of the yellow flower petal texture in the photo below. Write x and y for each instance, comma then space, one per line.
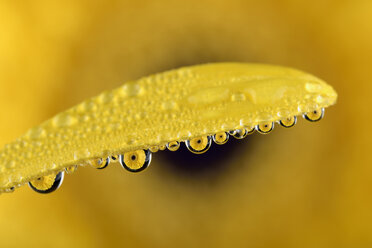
177, 105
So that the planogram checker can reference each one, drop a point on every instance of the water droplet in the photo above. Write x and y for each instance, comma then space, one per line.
11, 164
199, 145
265, 128
169, 105
173, 146
283, 113
314, 115
100, 163
114, 157
250, 129
162, 147
288, 122
10, 190
221, 138
232, 132
132, 89
37, 132
313, 87
135, 161
106, 97
238, 97
209, 95
320, 99
154, 149
240, 133
81, 154
47, 184
71, 169
64, 120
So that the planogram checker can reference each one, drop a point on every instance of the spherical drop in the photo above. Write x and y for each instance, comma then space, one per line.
315, 115
240, 133
221, 138
135, 161
265, 128
288, 122
173, 146
100, 163
71, 169
199, 145
47, 184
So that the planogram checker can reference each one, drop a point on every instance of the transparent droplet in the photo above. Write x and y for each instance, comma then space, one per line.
232, 132
265, 128
10, 190
288, 122
162, 147
132, 89
154, 149
199, 145
47, 184
169, 105
315, 115
221, 138
64, 120
71, 169
100, 163
238, 97
114, 157
313, 87
173, 146
240, 133
135, 161
250, 129
36, 133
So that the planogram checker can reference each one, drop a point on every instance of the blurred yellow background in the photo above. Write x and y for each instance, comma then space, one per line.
309, 186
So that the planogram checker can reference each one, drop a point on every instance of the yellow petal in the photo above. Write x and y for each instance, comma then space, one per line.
175, 105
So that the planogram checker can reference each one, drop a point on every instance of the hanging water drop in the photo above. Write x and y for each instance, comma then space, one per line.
240, 133
265, 128
100, 163
47, 184
288, 122
154, 149
199, 145
221, 138
250, 129
71, 169
232, 132
315, 115
173, 146
135, 161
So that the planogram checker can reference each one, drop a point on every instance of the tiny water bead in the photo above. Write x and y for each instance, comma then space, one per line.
154, 149
71, 169
240, 133
100, 163
221, 138
173, 146
265, 128
47, 184
232, 132
135, 161
315, 115
288, 122
199, 145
